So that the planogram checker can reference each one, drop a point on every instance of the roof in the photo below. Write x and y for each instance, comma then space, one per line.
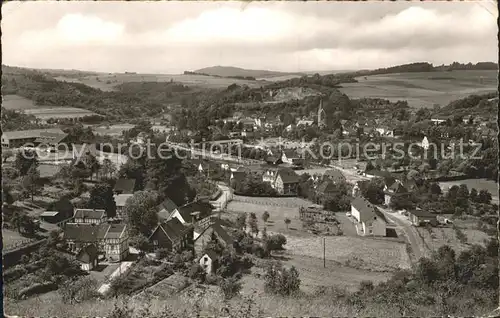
197, 206
87, 254
288, 175
115, 231
32, 133
126, 186
380, 214
84, 148
172, 228
49, 213
239, 175
388, 177
49, 137
422, 213
334, 174
291, 153
166, 208
221, 233
210, 254
85, 232
326, 186
90, 213
121, 199
366, 210
397, 187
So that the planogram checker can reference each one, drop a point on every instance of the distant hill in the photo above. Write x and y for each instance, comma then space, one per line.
230, 71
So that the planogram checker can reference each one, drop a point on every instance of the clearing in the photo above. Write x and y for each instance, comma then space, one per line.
423, 89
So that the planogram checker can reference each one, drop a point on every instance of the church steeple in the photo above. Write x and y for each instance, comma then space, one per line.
321, 113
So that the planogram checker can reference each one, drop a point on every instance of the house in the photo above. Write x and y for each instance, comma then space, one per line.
420, 217
124, 186
192, 212
438, 120
78, 151
305, 123
209, 261
237, 176
269, 175
396, 189
388, 177
370, 220
212, 232
110, 239
51, 139
91, 216
291, 157
115, 242
171, 235
121, 201
52, 217
286, 182
289, 128
88, 256
19, 138
334, 175
325, 190
165, 209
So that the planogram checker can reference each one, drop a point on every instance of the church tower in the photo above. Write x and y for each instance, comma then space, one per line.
321, 114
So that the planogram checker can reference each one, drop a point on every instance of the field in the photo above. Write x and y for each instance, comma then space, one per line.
423, 89
478, 184
349, 259
106, 82
447, 236
15, 102
11, 238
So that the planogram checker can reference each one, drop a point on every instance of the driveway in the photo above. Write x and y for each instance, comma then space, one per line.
410, 231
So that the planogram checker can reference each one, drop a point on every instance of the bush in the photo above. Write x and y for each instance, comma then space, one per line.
197, 273
230, 287
163, 272
37, 289
211, 279
282, 281
274, 242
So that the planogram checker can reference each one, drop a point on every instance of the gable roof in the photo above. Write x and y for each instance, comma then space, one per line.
239, 175
126, 186
186, 210
288, 175
220, 232
87, 233
167, 206
326, 186
115, 231
388, 177
334, 174
397, 187
173, 229
380, 214
90, 213
50, 137
365, 209
210, 254
290, 153
121, 199
87, 254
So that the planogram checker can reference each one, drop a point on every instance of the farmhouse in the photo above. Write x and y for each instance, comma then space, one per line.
16, 139
291, 157
419, 218
209, 261
370, 220
110, 239
325, 190
171, 235
166, 208
124, 186
214, 232
90, 216
121, 201
286, 182
269, 175
192, 212
88, 256
396, 189
334, 175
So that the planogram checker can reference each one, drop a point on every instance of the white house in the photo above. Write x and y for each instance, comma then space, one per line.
425, 143
91, 216
209, 262
88, 257
370, 220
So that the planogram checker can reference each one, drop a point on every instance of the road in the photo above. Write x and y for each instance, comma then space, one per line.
410, 231
119, 271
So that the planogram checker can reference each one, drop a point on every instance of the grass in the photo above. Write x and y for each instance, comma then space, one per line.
15, 102
11, 238
57, 112
107, 82
423, 89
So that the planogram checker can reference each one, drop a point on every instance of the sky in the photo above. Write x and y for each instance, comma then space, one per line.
171, 37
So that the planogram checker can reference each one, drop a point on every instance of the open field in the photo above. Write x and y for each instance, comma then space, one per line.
15, 102
111, 130
423, 89
478, 184
57, 112
437, 237
106, 82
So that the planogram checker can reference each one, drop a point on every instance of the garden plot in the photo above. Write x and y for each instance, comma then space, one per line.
435, 238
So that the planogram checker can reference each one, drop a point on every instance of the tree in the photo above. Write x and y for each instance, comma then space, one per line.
6, 154
63, 206
108, 168
24, 160
252, 223
91, 163
141, 210
265, 216
31, 181
101, 197
287, 222
484, 196
374, 191
282, 281
473, 195
241, 220
7, 197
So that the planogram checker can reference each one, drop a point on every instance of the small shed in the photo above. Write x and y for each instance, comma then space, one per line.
209, 261
88, 257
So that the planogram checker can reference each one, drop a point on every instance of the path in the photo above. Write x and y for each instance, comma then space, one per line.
410, 231
119, 271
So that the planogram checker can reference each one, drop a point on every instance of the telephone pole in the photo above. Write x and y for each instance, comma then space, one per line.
324, 252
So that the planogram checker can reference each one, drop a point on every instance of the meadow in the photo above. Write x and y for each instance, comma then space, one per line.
423, 89
107, 82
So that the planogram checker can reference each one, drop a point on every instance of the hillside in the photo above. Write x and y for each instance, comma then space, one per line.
229, 71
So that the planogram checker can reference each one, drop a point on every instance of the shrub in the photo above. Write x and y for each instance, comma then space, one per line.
163, 272
197, 273
230, 287
212, 279
37, 289
275, 242
282, 281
